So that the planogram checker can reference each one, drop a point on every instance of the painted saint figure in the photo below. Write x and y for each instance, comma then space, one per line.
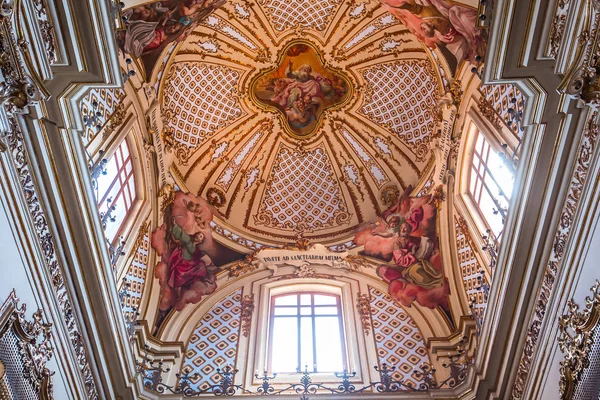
405, 238
188, 263
445, 24
301, 88
150, 27
300, 93
411, 254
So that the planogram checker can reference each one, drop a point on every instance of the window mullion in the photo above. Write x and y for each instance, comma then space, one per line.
299, 327
314, 333
108, 191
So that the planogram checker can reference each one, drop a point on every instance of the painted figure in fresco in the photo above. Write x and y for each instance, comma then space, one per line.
405, 237
301, 88
189, 256
301, 93
185, 271
445, 24
150, 27
410, 255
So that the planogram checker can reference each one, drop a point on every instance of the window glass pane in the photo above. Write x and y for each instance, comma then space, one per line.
290, 300
473, 179
502, 174
105, 180
325, 300
284, 355
286, 311
128, 167
127, 199
329, 345
492, 187
305, 299
119, 214
306, 344
125, 148
326, 310
479, 144
306, 310
131, 189
487, 207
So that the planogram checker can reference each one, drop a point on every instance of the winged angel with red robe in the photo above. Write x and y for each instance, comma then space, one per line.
405, 238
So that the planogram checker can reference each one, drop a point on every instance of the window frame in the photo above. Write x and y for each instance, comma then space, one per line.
465, 205
125, 185
481, 177
258, 340
313, 315
130, 130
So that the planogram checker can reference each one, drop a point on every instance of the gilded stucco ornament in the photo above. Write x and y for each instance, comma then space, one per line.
363, 305
17, 90
166, 196
584, 79
246, 314
33, 341
576, 331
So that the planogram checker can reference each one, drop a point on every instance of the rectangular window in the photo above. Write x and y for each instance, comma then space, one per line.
490, 184
306, 331
116, 189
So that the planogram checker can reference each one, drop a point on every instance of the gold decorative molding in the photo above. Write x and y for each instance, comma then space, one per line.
363, 305
246, 314
33, 347
577, 329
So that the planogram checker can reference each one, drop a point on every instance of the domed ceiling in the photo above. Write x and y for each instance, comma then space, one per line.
300, 118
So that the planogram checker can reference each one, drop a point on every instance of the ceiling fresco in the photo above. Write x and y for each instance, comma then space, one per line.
309, 139
301, 93
297, 124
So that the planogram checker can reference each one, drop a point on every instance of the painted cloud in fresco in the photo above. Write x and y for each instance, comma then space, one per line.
150, 27
405, 238
444, 24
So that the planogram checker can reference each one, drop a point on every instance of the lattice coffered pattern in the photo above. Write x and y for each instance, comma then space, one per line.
470, 268
199, 99
501, 96
108, 100
214, 342
284, 14
397, 338
303, 193
136, 275
402, 97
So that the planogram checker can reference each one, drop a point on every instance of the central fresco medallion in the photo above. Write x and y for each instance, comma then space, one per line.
301, 88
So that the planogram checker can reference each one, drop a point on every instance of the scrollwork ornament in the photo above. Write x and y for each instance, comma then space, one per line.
215, 197
576, 332
6, 8
33, 340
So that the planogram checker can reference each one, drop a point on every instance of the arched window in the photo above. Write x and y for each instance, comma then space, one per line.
306, 331
490, 183
116, 190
